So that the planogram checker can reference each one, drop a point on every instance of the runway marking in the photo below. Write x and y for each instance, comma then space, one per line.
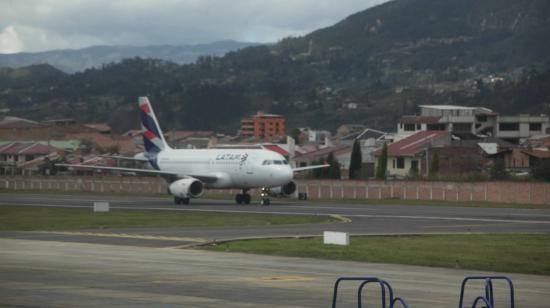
282, 278
125, 235
341, 218
460, 226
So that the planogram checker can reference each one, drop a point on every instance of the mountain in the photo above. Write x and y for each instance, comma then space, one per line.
369, 68
71, 61
417, 41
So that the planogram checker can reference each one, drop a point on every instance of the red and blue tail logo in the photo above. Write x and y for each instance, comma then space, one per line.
153, 140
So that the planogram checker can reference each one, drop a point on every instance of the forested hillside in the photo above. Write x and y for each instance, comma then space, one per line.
369, 68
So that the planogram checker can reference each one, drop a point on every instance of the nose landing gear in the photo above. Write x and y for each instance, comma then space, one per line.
244, 197
264, 195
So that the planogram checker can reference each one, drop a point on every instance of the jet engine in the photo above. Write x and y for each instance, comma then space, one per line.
186, 188
283, 191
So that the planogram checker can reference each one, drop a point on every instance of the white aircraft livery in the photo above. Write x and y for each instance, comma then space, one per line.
189, 171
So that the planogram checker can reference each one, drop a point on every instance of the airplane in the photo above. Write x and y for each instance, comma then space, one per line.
189, 171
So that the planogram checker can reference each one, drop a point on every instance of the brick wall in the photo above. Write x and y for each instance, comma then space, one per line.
505, 192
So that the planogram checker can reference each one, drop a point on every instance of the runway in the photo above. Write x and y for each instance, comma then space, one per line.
147, 268
365, 220
56, 274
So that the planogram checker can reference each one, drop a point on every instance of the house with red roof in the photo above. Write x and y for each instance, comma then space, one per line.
341, 153
190, 139
17, 156
409, 154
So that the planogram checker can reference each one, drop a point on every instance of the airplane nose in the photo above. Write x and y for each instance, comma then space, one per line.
289, 174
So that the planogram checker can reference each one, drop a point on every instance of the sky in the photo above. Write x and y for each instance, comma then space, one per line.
40, 25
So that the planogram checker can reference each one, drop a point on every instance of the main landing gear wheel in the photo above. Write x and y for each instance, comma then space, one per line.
264, 195
242, 198
178, 200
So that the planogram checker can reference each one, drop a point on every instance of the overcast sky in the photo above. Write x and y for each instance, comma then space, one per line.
38, 25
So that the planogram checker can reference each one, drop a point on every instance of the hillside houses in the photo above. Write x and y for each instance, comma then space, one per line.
466, 140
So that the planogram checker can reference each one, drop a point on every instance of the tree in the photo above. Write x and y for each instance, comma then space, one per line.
334, 169
382, 164
355, 161
498, 170
541, 171
295, 134
319, 173
434, 164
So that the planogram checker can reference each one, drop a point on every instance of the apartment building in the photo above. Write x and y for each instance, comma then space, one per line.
263, 126
474, 120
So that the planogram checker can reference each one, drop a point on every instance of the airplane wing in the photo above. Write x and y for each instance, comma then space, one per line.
209, 179
125, 157
310, 167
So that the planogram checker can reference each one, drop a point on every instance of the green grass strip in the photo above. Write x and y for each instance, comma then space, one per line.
513, 253
50, 218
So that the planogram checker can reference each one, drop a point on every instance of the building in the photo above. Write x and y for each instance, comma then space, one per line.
317, 136
521, 160
102, 128
370, 140
473, 120
409, 154
16, 157
342, 154
190, 139
14, 128
346, 129
263, 126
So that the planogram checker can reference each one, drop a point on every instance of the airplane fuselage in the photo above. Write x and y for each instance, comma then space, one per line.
233, 168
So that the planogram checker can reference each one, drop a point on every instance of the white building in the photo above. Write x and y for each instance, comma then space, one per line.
474, 120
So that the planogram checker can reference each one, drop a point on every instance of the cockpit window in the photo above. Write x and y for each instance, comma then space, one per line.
285, 162
278, 162
267, 162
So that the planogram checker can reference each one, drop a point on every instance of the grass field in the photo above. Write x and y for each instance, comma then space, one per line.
49, 218
520, 253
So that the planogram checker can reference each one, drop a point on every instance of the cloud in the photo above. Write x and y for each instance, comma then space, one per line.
9, 41
33, 25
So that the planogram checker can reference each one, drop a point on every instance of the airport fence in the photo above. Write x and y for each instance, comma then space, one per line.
105, 184
501, 192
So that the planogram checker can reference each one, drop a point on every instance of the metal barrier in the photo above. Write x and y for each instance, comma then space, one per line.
384, 286
489, 298
400, 301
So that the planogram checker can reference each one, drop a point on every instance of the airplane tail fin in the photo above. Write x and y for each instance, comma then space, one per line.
153, 139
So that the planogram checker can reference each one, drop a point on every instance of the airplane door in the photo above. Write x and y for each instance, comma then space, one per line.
247, 170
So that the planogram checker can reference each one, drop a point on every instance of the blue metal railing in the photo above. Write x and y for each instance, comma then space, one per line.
489, 298
385, 288
480, 299
387, 294
400, 301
